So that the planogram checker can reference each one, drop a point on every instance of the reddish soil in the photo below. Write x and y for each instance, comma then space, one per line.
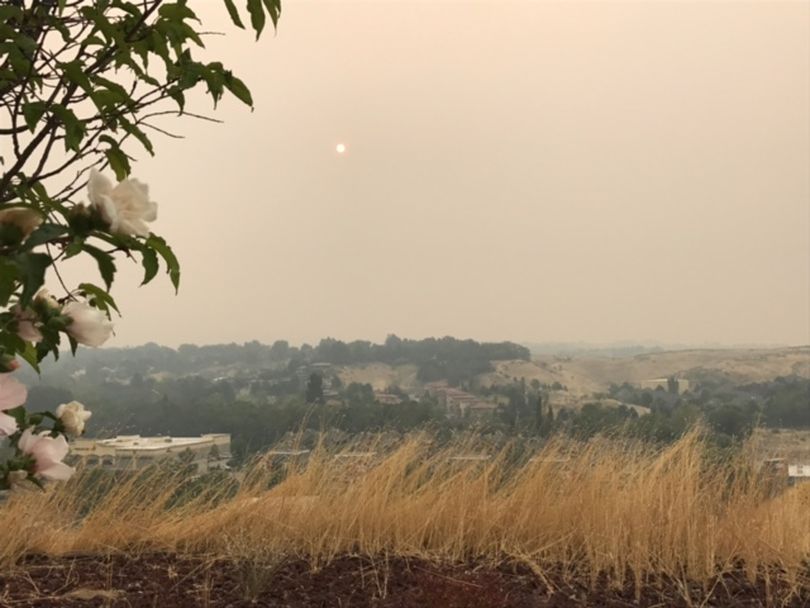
170, 581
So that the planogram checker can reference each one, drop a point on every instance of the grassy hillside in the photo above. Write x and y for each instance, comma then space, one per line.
584, 375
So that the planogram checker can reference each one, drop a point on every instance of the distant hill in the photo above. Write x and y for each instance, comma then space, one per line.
586, 374
629, 349
431, 358
410, 364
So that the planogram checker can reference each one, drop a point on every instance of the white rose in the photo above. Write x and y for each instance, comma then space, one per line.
125, 207
89, 325
73, 416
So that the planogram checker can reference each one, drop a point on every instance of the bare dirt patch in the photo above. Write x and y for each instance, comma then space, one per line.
159, 579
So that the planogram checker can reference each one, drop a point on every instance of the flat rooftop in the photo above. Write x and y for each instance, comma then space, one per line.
136, 442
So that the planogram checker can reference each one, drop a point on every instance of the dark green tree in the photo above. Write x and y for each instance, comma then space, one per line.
314, 392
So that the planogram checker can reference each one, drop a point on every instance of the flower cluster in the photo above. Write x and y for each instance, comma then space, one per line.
83, 322
38, 450
33, 446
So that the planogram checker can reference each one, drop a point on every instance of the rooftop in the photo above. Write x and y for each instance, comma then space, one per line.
136, 442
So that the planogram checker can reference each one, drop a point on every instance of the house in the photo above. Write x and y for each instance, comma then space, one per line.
128, 452
459, 403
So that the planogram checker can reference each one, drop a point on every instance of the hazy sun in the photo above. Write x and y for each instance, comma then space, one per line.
340, 148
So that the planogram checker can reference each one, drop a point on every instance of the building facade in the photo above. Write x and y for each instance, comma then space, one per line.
129, 452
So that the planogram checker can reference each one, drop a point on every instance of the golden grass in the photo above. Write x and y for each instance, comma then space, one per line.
613, 507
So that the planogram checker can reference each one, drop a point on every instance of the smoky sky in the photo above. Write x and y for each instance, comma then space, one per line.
533, 171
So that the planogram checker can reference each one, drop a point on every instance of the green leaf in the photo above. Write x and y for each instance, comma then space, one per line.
32, 112
19, 415
7, 13
19, 64
118, 162
74, 128
113, 86
172, 265
157, 44
106, 265
7, 32
26, 44
44, 234
11, 235
179, 98
257, 17
237, 20
75, 72
32, 267
73, 249
106, 99
150, 265
238, 89
42, 193
138, 134
8, 279
99, 19
94, 41
274, 10
176, 12
10, 343
101, 299
45, 348
29, 355
215, 79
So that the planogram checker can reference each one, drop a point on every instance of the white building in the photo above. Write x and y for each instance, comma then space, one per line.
205, 453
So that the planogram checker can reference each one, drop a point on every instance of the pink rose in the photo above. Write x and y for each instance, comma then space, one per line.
48, 453
12, 392
27, 330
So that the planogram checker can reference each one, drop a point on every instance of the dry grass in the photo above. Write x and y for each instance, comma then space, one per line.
612, 507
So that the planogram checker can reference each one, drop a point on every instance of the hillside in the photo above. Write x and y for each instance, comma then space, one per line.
583, 376
381, 376
586, 375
